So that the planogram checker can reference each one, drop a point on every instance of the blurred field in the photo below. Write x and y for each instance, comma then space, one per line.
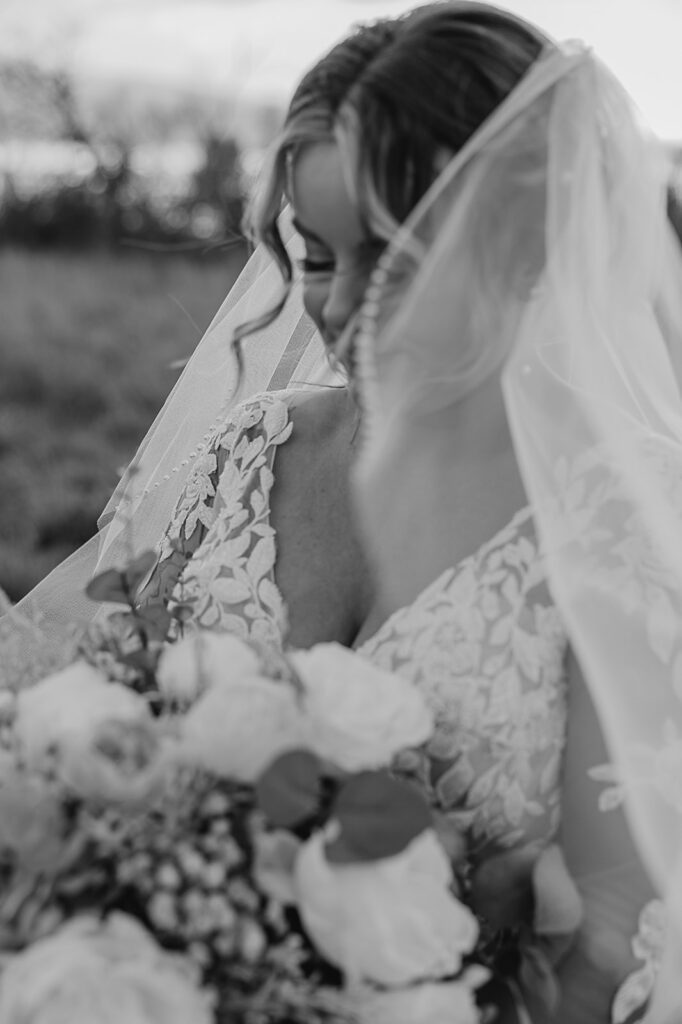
86, 343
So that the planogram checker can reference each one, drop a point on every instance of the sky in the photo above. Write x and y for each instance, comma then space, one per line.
259, 48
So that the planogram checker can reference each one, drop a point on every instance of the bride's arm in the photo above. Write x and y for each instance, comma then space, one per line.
602, 858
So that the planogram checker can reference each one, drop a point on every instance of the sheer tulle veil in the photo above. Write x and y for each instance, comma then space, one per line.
287, 353
543, 255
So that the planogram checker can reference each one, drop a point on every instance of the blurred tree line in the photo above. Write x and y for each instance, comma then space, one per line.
113, 201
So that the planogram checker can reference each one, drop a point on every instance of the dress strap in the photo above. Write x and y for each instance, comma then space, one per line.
218, 554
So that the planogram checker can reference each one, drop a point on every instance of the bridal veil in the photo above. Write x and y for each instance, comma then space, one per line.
286, 353
543, 254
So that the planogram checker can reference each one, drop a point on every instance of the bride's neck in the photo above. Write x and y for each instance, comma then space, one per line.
440, 485
471, 430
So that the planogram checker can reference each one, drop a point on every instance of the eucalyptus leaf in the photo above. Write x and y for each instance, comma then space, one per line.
378, 816
109, 585
136, 573
155, 619
289, 791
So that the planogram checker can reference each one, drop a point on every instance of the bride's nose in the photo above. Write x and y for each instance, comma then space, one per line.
344, 298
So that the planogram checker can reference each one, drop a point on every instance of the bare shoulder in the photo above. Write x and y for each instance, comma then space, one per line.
320, 565
324, 424
319, 415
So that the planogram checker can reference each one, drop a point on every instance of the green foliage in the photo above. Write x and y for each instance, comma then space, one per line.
378, 816
87, 343
109, 199
371, 814
121, 585
289, 792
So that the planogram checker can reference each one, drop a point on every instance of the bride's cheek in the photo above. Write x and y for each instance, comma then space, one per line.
315, 293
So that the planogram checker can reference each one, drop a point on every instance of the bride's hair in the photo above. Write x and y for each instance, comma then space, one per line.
397, 93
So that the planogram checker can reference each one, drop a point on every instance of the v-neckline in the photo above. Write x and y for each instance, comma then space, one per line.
453, 571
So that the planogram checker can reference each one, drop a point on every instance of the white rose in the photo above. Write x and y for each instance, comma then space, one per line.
117, 762
392, 921
187, 667
69, 705
450, 1002
237, 730
100, 972
360, 717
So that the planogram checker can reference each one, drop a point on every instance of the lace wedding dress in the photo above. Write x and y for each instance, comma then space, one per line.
484, 642
219, 550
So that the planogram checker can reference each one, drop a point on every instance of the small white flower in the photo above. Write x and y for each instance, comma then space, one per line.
100, 972
359, 716
68, 706
237, 730
119, 761
204, 659
392, 921
273, 868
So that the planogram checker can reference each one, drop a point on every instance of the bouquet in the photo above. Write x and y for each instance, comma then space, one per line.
209, 832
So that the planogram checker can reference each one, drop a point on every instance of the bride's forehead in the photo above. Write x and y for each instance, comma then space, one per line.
320, 193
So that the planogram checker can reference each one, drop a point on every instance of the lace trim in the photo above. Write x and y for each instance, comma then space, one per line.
220, 548
486, 646
647, 945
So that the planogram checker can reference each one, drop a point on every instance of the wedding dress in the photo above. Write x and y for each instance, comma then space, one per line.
484, 642
487, 647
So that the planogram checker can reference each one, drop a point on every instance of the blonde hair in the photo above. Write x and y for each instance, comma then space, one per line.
395, 94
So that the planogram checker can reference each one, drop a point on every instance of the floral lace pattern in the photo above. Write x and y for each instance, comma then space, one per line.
648, 945
634, 586
613, 523
220, 549
487, 646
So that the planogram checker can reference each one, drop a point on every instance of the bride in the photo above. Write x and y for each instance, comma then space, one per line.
509, 358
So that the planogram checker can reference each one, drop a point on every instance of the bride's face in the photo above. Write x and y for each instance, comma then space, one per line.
339, 256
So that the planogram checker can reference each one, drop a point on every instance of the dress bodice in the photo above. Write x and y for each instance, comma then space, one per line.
487, 647
483, 642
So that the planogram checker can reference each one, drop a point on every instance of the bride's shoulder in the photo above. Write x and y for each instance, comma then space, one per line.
322, 425
312, 411
314, 425
319, 414
265, 413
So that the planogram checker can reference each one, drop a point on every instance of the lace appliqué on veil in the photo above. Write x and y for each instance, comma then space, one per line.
487, 647
218, 555
647, 945
600, 529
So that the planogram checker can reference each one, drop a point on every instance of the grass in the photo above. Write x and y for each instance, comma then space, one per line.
86, 346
